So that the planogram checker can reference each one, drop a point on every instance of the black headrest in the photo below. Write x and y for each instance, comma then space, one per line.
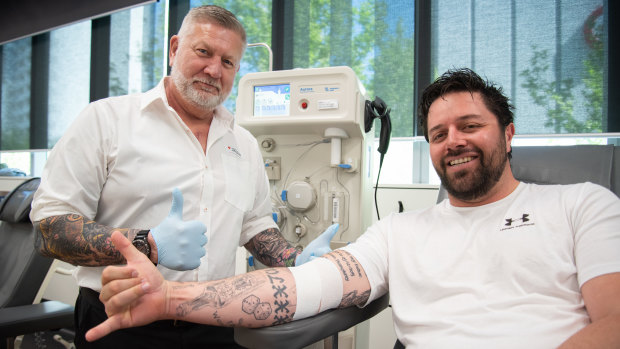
15, 207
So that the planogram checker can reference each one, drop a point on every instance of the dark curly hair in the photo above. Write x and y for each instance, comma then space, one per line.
465, 79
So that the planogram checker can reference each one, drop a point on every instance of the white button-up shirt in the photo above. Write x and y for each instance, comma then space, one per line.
119, 161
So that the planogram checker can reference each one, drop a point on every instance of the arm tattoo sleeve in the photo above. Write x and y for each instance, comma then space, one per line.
248, 292
75, 240
271, 249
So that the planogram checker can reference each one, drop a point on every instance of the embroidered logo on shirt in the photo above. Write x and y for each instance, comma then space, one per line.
233, 151
518, 222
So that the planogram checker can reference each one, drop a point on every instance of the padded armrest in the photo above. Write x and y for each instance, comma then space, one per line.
23, 319
301, 333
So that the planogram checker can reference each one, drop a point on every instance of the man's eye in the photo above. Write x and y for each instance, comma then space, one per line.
472, 126
229, 63
437, 137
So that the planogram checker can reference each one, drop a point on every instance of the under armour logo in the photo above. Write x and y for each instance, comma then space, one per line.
523, 218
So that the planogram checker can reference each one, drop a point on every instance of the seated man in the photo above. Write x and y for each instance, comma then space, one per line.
464, 273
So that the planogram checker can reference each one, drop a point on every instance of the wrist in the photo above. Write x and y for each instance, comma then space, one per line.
170, 300
151, 241
178, 295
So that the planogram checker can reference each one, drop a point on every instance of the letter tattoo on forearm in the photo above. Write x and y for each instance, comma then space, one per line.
282, 313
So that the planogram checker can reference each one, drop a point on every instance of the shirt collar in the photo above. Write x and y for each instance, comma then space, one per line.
158, 94
222, 115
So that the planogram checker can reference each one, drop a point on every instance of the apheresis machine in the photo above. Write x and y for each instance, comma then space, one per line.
310, 126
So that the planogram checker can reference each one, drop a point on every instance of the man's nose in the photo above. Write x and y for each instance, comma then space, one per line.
214, 67
455, 139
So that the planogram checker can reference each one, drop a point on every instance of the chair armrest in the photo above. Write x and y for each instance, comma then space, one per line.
23, 319
301, 333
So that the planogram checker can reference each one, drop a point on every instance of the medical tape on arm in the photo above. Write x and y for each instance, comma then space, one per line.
319, 287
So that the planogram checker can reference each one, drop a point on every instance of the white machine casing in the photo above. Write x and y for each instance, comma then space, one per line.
309, 124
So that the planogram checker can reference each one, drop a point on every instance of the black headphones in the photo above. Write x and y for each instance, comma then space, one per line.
378, 109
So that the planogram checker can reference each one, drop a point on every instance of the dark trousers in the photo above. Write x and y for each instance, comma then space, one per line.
165, 334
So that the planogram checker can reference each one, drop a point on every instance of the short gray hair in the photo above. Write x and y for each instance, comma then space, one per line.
212, 14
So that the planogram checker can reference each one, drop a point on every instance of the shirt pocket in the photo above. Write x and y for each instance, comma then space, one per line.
239, 182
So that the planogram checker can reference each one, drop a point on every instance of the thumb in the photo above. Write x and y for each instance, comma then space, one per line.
125, 247
176, 210
329, 233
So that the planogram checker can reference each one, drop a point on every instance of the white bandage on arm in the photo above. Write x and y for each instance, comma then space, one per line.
319, 287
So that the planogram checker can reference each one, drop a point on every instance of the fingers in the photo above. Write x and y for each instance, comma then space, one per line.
115, 306
115, 272
198, 229
118, 302
115, 287
117, 279
177, 204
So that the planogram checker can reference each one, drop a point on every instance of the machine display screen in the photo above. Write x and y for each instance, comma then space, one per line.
272, 100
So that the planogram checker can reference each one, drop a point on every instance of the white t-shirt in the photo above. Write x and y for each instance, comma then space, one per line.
119, 161
502, 275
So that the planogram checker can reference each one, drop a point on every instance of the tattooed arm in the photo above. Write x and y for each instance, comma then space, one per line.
78, 241
271, 249
137, 294
355, 284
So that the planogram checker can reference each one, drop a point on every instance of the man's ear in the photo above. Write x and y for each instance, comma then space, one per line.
174, 45
509, 133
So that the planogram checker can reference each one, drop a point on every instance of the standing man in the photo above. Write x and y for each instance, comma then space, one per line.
457, 277
117, 165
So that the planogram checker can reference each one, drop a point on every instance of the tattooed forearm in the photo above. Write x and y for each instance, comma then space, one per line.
271, 249
260, 298
218, 294
73, 239
252, 305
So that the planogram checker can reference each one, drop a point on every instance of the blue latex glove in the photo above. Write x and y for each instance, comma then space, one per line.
180, 245
318, 246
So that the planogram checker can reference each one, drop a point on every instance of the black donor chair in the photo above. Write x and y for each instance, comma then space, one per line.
22, 272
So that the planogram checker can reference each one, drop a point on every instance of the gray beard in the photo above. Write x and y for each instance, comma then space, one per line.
184, 86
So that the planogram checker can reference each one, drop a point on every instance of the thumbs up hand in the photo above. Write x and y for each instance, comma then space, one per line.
180, 245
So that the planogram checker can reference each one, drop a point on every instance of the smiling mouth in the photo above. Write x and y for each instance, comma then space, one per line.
205, 86
461, 161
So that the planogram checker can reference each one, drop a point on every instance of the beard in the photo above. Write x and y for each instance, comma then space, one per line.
195, 95
469, 185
